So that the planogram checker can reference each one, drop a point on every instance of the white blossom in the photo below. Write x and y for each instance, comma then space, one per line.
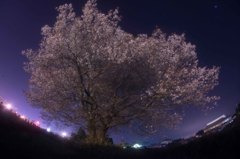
89, 71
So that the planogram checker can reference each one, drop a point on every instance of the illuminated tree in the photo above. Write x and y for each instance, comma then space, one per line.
89, 72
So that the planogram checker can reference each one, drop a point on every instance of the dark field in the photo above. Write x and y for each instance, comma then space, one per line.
19, 139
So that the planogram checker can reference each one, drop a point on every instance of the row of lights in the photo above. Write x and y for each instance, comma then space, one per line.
9, 107
63, 134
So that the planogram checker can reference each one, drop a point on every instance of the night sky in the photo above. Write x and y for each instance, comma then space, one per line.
213, 26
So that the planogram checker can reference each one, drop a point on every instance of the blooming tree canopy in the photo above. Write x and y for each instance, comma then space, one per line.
88, 71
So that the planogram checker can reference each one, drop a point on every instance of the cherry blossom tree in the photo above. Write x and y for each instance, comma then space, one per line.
89, 72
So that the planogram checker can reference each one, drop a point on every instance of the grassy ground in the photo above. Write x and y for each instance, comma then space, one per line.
19, 139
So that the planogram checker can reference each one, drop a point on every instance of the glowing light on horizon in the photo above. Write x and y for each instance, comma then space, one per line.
8, 106
48, 129
221, 117
37, 123
137, 146
64, 134
23, 117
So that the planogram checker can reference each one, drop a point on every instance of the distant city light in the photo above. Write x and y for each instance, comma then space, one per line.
221, 117
48, 129
137, 146
8, 106
22, 117
64, 134
37, 123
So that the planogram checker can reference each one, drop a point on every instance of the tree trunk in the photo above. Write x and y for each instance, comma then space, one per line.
102, 136
91, 128
97, 135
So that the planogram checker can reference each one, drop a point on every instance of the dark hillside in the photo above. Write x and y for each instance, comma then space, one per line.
19, 138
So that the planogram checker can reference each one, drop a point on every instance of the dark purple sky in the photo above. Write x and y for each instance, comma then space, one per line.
212, 25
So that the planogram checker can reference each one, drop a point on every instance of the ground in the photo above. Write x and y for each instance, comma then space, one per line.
21, 139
